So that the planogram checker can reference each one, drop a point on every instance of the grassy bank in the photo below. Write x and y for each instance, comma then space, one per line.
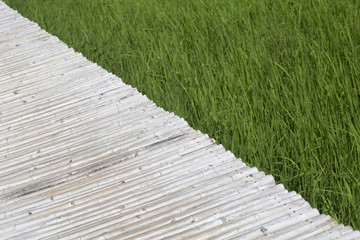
276, 82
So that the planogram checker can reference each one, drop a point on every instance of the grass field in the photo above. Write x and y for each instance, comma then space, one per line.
276, 82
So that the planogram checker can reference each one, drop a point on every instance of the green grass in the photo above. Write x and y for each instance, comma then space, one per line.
275, 81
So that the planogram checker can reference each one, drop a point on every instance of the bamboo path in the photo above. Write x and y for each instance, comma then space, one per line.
84, 156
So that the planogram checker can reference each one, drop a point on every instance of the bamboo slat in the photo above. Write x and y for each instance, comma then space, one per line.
85, 156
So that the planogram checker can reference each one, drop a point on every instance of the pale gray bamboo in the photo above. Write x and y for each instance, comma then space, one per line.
85, 156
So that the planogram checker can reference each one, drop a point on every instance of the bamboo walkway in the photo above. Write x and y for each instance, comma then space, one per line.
84, 156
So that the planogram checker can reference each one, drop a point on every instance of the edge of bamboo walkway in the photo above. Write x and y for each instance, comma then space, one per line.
84, 156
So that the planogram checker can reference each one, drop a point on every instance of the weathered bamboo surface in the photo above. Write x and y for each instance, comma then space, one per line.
84, 156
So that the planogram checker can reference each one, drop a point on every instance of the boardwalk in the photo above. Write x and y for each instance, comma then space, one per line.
84, 156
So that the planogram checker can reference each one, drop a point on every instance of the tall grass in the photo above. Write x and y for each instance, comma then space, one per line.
276, 82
